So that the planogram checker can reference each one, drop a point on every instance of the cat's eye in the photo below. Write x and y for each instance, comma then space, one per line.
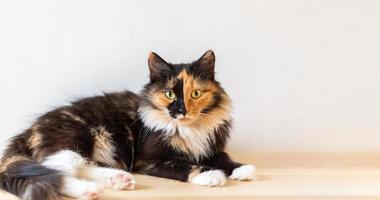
196, 94
170, 95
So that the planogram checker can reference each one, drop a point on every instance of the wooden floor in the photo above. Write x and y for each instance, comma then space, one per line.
280, 176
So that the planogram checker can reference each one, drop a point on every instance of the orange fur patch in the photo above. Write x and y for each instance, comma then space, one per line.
104, 149
195, 106
35, 138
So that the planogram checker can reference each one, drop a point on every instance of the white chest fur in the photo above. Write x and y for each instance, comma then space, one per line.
193, 139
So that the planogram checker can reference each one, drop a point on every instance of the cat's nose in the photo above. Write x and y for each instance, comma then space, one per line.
180, 116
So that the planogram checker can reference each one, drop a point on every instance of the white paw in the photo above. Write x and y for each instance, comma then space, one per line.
244, 173
121, 180
210, 178
93, 192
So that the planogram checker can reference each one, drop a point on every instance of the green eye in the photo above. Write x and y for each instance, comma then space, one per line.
170, 95
196, 94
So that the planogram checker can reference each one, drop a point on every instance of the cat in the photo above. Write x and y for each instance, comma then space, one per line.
176, 128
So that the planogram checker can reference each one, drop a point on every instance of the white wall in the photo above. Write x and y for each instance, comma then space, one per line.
304, 75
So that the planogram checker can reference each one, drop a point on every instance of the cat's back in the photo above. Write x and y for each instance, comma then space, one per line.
95, 111
103, 107
83, 125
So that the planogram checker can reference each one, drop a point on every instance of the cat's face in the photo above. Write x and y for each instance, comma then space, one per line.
185, 93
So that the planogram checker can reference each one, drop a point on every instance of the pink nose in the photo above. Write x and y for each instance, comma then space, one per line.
180, 116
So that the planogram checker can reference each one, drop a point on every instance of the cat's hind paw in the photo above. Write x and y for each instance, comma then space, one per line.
93, 192
244, 173
210, 178
122, 181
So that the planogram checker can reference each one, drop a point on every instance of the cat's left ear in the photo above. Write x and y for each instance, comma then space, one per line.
206, 64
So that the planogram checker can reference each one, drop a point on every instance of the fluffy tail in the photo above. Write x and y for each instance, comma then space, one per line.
29, 180
23, 176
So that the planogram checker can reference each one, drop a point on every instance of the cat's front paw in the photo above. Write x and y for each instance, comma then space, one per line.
244, 173
210, 178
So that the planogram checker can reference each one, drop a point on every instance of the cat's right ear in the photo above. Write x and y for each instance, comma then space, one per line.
158, 67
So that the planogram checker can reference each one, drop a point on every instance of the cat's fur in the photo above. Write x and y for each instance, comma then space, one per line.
78, 149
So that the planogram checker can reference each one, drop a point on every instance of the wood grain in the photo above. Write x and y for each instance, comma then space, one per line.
280, 176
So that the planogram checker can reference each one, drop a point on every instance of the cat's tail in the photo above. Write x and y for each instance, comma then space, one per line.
29, 180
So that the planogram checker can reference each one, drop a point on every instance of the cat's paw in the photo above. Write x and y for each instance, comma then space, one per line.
92, 192
210, 178
121, 180
244, 173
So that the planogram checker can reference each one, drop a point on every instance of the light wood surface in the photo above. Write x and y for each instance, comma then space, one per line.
280, 176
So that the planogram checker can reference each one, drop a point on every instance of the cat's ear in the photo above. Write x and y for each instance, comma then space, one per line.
158, 67
205, 65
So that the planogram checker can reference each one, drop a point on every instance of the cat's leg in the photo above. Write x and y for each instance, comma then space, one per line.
66, 161
69, 164
182, 170
109, 177
233, 170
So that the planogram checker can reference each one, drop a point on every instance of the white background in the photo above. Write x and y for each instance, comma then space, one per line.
304, 75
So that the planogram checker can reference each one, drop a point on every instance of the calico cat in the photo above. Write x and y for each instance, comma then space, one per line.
176, 128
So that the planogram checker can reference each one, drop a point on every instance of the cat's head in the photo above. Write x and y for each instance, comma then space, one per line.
183, 95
